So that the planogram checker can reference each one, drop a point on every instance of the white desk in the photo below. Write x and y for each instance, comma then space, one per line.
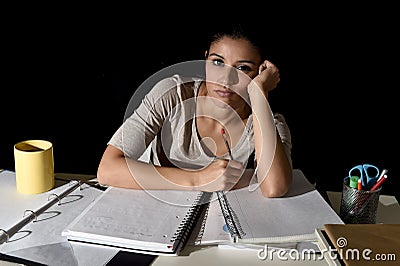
388, 212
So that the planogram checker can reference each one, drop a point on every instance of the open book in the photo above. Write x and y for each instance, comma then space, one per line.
163, 221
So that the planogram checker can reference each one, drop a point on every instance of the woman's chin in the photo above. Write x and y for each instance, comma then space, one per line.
221, 102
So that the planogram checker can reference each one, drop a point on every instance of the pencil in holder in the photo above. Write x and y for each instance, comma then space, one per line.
358, 206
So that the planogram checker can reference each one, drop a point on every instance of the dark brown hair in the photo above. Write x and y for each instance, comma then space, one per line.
247, 32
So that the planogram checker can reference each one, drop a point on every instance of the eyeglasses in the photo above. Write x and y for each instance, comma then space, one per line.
367, 172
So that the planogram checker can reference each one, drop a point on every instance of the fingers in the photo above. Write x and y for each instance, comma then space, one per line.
267, 65
224, 174
268, 77
232, 170
235, 169
235, 164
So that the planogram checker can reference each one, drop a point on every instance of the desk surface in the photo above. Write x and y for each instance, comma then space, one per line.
388, 212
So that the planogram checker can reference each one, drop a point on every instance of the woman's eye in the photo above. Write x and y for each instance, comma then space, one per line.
218, 62
244, 68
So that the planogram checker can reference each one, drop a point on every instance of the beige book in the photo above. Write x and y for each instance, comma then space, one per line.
365, 244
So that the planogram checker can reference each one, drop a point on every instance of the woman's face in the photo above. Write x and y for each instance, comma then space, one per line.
231, 65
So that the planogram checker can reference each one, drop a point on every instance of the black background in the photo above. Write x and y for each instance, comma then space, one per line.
69, 74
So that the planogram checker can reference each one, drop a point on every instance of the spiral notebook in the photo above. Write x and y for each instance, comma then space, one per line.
145, 221
245, 216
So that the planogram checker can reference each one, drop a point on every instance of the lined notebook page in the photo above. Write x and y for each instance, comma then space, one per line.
137, 219
276, 220
211, 228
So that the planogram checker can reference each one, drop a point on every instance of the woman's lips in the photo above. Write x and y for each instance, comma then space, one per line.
224, 93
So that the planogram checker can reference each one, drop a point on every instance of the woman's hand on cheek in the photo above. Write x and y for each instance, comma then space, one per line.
268, 77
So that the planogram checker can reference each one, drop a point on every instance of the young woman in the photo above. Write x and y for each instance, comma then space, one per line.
183, 119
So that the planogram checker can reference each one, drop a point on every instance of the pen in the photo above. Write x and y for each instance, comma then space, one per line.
359, 184
379, 183
384, 171
226, 143
229, 219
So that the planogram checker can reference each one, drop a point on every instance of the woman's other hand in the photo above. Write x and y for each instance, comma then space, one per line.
268, 77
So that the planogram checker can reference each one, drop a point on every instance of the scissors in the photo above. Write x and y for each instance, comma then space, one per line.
368, 173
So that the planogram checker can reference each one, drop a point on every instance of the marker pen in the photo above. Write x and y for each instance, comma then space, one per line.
379, 183
384, 171
226, 143
359, 184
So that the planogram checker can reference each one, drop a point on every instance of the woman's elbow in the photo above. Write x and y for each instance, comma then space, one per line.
102, 175
106, 172
108, 165
274, 192
279, 188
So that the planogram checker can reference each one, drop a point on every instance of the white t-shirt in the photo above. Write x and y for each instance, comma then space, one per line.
165, 119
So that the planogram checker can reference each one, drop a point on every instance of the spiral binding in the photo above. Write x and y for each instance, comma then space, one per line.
203, 217
231, 219
189, 221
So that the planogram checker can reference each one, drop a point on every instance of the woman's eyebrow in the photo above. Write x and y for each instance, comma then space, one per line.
247, 61
214, 54
240, 61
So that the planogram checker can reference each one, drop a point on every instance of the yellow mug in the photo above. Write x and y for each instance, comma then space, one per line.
34, 166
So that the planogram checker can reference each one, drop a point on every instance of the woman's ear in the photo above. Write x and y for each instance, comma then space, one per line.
206, 54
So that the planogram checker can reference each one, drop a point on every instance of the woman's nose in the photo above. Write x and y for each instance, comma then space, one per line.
229, 76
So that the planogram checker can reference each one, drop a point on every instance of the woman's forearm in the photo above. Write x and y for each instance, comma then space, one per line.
117, 170
274, 171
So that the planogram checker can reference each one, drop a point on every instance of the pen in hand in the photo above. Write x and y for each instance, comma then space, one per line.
226, 211
226, 143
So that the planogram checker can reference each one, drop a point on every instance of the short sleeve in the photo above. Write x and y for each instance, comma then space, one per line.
284, 133
140, 128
